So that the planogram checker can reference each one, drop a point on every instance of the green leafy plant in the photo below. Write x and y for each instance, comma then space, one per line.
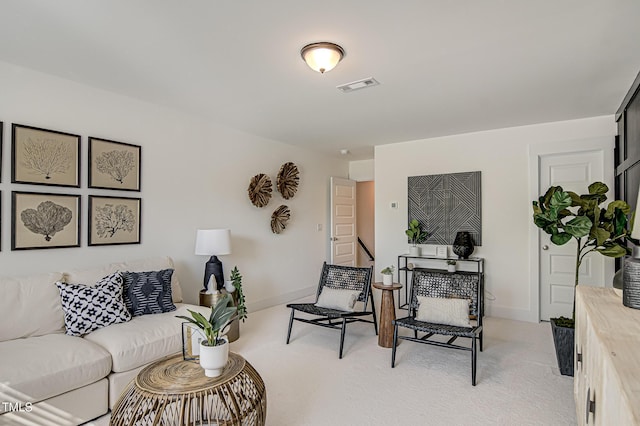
213, 327
236, 279
388, 270
566, 215
415, 233
451, 262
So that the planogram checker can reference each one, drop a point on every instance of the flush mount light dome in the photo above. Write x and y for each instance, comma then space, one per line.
323, 56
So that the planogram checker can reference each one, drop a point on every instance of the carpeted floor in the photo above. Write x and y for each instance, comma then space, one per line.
307, 385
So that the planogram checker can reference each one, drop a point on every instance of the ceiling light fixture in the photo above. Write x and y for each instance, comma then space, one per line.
323, 56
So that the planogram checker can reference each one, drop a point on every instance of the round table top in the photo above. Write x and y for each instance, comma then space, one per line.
174, 375
381, 286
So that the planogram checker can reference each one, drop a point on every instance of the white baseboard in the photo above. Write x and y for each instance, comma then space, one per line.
281, 298
510, 313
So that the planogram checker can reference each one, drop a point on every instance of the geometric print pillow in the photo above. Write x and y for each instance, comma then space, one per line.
148, 292
89, 308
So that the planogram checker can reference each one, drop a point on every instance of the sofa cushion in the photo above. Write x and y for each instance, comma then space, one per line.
154, 264
30, 306
144, 339
148, 292
38, 368
88, 308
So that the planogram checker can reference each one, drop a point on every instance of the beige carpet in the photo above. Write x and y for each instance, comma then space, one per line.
518, 381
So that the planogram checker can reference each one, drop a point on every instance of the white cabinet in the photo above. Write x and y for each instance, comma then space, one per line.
607, 364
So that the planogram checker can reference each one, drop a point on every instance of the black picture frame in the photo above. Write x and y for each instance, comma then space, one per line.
44, 157
63, 209
114, 165
114, 220
1, 135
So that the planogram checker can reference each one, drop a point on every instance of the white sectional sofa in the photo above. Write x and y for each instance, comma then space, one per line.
48, 377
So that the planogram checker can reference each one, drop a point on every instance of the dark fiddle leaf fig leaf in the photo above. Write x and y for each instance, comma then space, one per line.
561, 238
536, 209
576, 201
620, 223
612, 250
543, 222
579, 226
598, 188
564, 213
617, 204
546, 198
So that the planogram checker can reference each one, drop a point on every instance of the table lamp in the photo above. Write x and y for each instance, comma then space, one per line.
214, 243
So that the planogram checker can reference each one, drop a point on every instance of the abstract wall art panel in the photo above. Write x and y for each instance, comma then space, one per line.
445, 204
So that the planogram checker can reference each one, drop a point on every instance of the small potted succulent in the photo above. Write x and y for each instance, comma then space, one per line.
451, 265
214, 348
416, 236
387, 275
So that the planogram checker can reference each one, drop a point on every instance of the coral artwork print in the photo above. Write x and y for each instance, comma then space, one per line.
47, 219
113, 218
46, 157
116, 164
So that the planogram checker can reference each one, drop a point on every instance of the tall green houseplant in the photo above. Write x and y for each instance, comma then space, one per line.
568, 216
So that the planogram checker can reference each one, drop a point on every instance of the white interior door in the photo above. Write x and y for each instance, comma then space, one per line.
343, 222
574, 172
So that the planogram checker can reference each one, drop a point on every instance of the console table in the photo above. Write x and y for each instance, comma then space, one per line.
404, 270
176, 392
607, 367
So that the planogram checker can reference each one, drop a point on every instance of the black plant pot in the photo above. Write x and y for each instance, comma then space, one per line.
563, 339
463, 245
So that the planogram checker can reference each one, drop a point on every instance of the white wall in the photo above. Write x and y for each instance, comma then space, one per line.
195, 174
502, 157
362, 171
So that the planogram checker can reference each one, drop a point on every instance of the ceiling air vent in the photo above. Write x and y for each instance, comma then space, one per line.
357, 85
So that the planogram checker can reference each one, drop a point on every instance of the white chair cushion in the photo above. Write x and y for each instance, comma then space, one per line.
439, 310
143, 339
340, 299
30, 306
41, 367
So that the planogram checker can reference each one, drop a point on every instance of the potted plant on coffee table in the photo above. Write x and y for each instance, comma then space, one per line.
568, 216
416, 236
214, 349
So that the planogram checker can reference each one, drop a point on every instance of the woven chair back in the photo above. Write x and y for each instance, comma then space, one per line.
432, 283
346, 278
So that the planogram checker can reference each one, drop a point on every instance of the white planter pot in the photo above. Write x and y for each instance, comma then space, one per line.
214, 358
414, 251
387, 279
451, 268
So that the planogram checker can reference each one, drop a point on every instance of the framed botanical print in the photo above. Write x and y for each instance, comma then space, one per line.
44, 157
114, 165
41, 221
114, 220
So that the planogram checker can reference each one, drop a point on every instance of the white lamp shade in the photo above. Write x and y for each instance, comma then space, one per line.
213, 242
636, 221
322, 57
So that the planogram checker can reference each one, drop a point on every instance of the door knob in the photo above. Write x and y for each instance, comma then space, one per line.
545, 247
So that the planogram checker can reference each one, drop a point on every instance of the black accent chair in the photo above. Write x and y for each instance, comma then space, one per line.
433, 283
343, 278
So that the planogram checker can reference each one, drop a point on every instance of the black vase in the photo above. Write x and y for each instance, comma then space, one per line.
463, 245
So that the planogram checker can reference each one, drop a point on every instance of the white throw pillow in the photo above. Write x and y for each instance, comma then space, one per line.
440, 310
340, 299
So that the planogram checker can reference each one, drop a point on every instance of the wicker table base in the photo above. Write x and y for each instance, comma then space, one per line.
176, 392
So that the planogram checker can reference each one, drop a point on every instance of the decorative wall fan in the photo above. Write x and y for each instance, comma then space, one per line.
288, 178
260, 190
279, 219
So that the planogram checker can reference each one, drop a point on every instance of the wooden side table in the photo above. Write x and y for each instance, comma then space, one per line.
387, 314
176, 392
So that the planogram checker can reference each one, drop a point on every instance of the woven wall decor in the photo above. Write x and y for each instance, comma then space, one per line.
279, 219
288, 179
260, 190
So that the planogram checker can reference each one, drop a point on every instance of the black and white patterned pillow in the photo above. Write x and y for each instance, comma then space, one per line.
148, 292
89, 308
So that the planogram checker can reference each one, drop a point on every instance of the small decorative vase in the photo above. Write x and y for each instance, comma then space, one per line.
631, 283
414, 251
228, 285
214, 358
387, 279
463, 245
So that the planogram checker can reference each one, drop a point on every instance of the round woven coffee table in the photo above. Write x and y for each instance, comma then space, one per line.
176, 392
